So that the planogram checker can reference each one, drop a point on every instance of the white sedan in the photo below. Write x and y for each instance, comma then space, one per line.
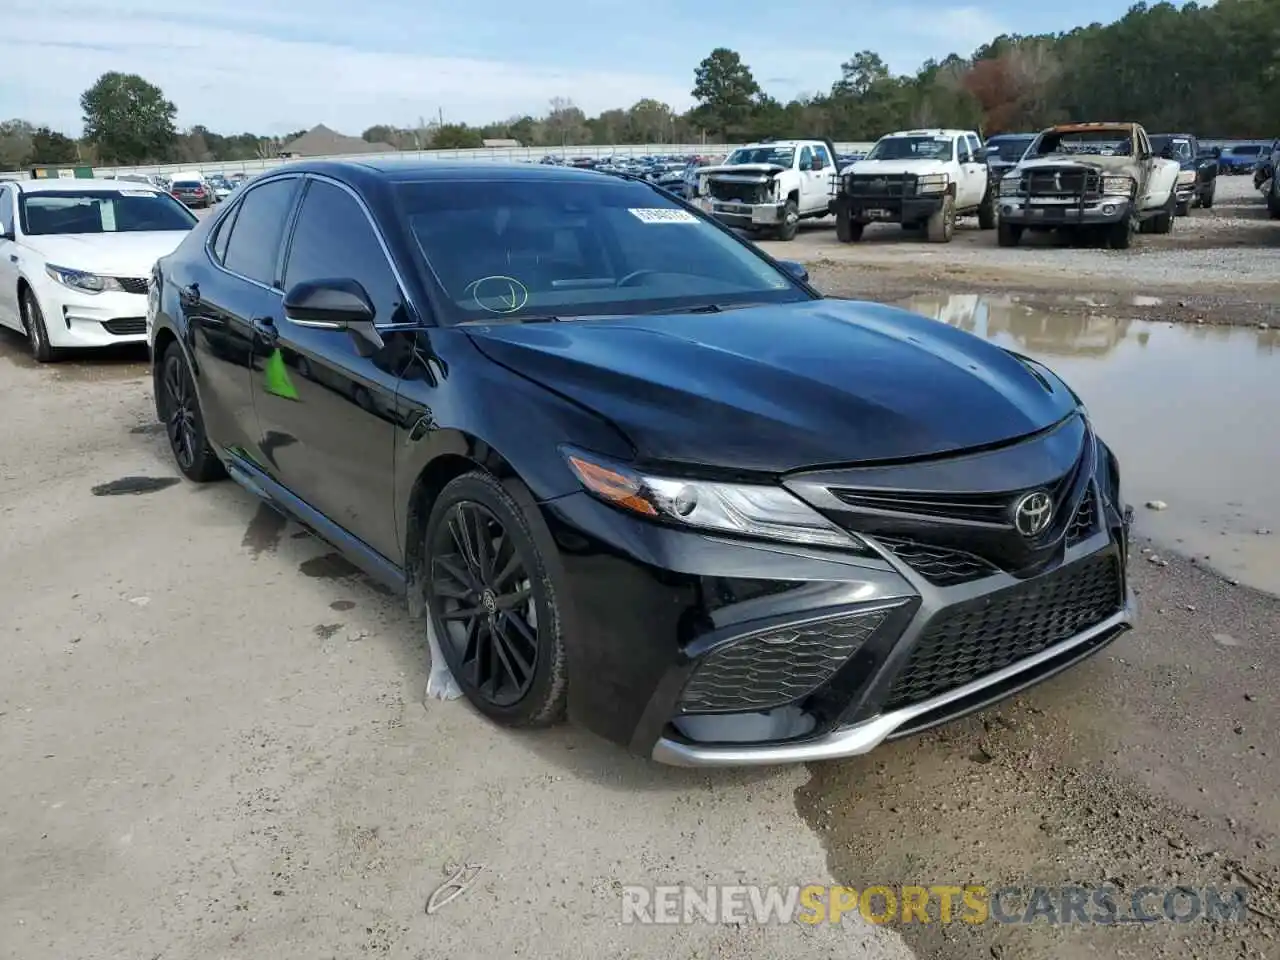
76, 256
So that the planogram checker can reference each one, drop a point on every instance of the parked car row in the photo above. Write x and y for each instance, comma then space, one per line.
1103, 181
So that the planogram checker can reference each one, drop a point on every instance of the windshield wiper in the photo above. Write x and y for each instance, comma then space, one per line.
507, 318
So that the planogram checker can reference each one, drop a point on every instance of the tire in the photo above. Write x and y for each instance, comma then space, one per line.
847, 229
941, 226
1008, 234
1206, 198
37, 333
790, 224
987, 209
488, 631
1273, 201
179, 408
1120, 235
1182, 210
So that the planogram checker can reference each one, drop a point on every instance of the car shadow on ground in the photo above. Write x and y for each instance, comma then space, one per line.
110, 363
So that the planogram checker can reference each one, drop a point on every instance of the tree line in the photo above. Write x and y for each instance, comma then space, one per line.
1209, 70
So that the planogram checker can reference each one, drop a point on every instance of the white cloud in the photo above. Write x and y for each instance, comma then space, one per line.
237, 78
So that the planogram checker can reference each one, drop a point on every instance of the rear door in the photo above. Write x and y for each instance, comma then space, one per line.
221, 304
325, 399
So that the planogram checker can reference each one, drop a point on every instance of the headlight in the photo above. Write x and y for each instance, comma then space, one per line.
748, 510
1186, 176
79, 280
1113, 186
1009, 185
933, 183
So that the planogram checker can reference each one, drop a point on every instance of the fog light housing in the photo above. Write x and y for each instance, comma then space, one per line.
1109, 209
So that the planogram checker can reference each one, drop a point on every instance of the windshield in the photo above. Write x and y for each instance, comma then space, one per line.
1104, 142
1178, 146
782, 156
1246, 150
911, 148
1010, 148
532, 247
101, 211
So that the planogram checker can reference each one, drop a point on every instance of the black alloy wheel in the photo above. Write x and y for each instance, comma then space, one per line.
492, 604
183, 421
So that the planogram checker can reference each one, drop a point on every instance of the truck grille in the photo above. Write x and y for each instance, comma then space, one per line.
980, 636
776, 667
739, 192
1061, 184
879, 184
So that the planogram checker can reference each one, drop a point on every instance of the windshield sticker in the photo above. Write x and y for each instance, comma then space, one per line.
661, 215
498, 294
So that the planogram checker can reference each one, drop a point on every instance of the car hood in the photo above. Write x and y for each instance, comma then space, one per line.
112, 254
745, 171
1063, 162
783, 387
918, 167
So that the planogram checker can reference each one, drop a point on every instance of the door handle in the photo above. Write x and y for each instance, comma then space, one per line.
13, 258
266, 330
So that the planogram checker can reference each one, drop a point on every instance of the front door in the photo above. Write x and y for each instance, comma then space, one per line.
326, 400
221, 300
9, 316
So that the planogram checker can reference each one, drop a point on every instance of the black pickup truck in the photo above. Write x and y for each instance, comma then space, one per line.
1195, 191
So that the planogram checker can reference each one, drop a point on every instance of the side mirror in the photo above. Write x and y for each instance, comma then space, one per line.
980, 155
333, 304
797, 270
817, 165
1167, 152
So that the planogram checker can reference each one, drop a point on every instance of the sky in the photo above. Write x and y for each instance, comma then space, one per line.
274, 66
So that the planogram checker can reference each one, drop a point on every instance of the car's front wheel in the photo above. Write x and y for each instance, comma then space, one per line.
37, 332
493, 604
179, 409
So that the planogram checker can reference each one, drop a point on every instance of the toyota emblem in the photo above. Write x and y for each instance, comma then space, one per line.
1033, 513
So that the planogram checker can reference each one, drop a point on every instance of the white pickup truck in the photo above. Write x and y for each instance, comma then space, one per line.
770, 186
920, 179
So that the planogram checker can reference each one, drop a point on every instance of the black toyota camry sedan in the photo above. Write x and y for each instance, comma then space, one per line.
630, 468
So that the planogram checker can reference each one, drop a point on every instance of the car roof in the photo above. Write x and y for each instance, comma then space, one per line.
930, 132
413, 171
60, 184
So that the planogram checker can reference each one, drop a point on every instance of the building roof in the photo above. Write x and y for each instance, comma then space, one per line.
320, 141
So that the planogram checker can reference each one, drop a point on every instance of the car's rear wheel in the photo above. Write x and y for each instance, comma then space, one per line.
37, 332
179, 409
493, 605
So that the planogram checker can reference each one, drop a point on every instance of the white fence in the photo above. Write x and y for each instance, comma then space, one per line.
498, 154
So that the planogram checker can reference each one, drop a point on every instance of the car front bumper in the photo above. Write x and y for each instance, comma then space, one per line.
1025, 212
743, 216
890, 208
1184, 193
74, 319
698, 650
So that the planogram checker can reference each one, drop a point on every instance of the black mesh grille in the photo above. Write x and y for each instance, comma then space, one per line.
133, 284
771, 669
1085, 522
978, 637
941, 566
980, 507
1060, 183
126, 326
879, 185
739, 192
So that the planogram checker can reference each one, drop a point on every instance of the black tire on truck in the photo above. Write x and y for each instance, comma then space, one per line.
847, 231
1120, 235
790, 224
987, 209
941, 226
1008, 234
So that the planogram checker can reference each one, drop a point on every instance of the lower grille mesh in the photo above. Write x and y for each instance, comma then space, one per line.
1086, 519
125, 326
976, 638
770, 669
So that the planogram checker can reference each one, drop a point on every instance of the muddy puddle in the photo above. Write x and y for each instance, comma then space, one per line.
1193, 412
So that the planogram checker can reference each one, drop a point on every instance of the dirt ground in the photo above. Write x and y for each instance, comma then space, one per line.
215, 742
